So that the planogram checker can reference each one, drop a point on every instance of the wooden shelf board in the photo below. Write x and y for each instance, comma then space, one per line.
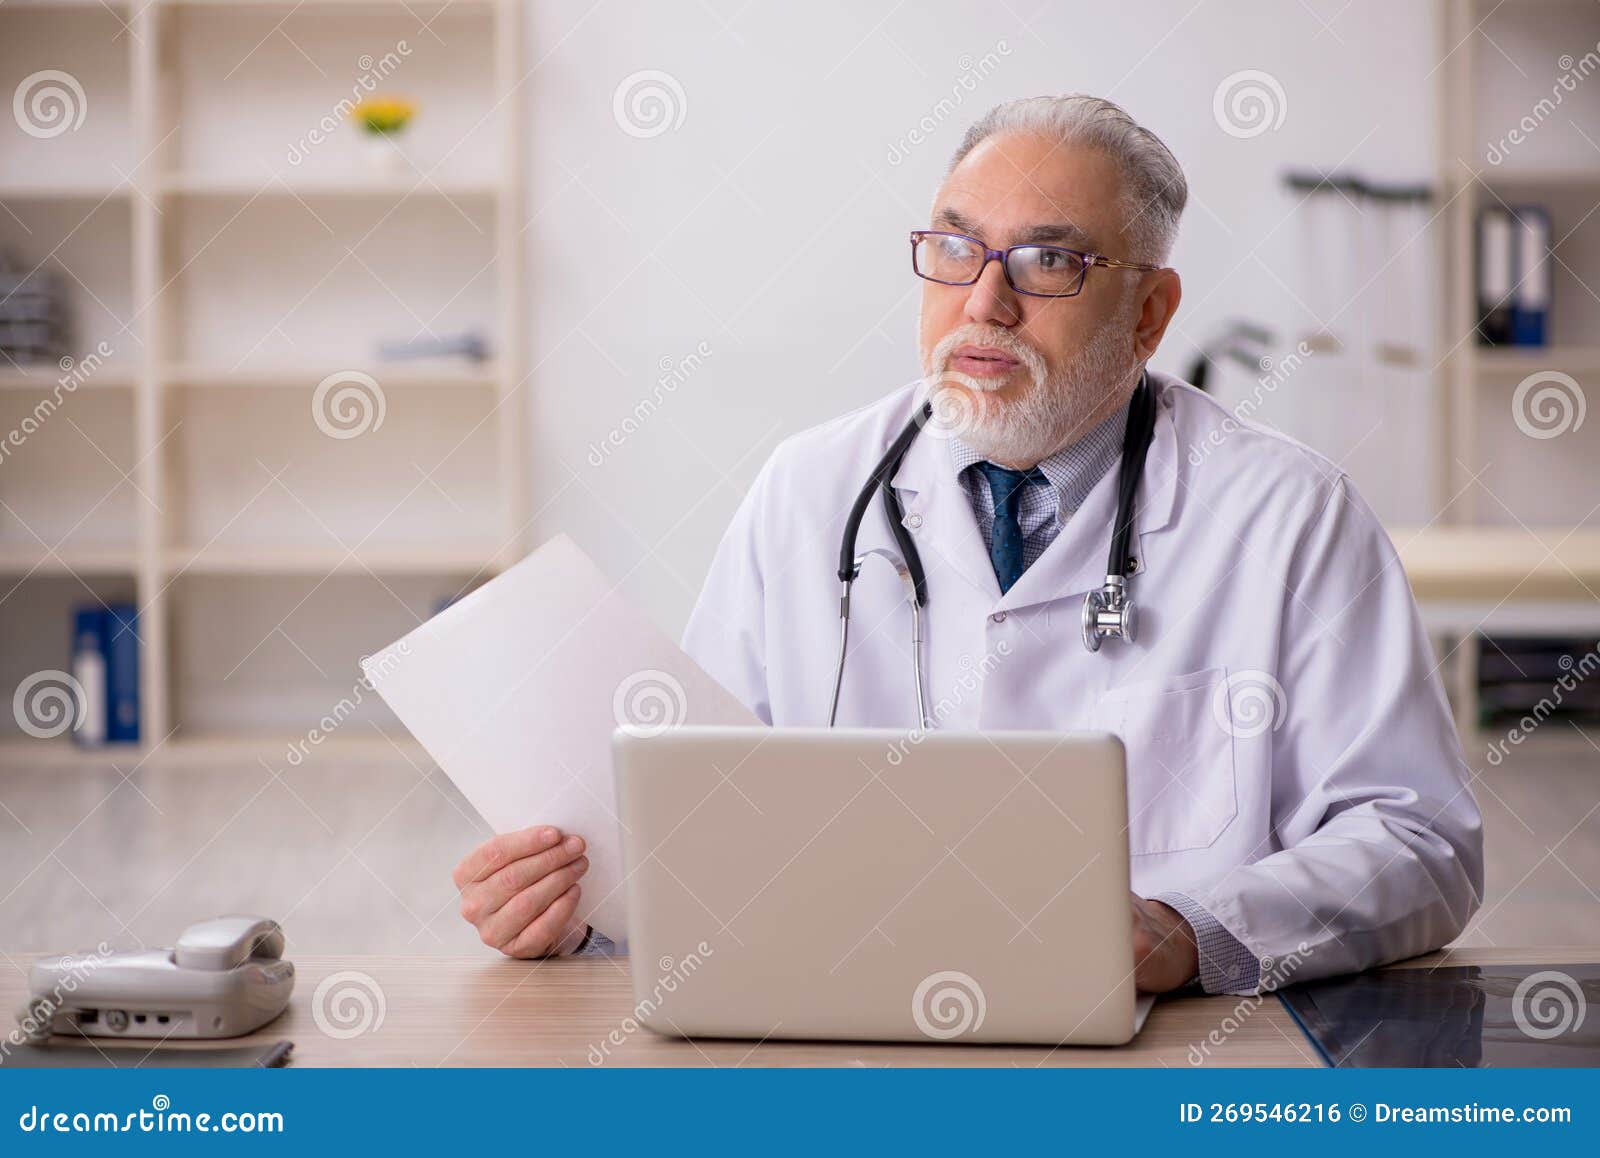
363, 745
21, 752
1552, 179
64, 190
388, 374
399, 186
329, 560
1500, 562
1510, 360
48, 375
430, 4
18, 560
355, 742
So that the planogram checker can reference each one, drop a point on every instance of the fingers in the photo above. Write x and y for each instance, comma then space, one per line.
495, 853
485, 898
548, 929
513, 918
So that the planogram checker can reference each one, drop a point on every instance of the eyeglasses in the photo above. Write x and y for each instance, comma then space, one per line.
1040, 271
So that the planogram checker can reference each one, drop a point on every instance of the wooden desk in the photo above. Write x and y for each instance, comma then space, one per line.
482, 1012
1543, 581
1500, 564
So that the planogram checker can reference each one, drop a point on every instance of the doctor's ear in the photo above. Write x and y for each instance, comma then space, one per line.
1159, 298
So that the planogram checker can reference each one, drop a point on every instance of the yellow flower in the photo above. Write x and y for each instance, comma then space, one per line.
384, 114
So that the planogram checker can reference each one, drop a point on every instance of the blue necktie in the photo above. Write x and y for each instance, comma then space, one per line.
1005, 543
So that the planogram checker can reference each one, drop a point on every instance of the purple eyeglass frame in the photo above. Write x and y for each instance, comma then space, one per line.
1002, 256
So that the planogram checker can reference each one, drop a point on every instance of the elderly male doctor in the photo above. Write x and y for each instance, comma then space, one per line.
1296, 791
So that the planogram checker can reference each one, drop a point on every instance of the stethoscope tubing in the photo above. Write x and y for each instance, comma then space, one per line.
1108, 613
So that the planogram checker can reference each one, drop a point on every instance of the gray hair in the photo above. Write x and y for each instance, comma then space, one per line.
1155, 191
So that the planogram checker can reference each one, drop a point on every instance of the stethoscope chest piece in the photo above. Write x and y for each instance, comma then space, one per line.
1109, 614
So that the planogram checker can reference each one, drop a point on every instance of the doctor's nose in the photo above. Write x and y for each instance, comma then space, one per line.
991, 300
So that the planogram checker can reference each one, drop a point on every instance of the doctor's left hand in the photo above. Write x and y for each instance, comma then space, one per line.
1165, 954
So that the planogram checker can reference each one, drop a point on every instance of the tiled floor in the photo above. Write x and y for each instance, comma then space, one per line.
355, 857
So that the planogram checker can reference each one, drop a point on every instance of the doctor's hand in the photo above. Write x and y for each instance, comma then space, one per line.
520, 891
1165, 954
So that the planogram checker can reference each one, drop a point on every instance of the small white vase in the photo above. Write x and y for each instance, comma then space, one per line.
383, 155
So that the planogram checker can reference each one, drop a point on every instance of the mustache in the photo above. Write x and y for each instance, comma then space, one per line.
977, 334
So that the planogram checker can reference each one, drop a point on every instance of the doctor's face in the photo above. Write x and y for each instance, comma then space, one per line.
1015, 376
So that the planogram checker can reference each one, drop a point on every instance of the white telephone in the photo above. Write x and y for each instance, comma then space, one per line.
225, 977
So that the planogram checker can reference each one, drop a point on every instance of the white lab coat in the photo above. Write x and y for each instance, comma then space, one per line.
1292, 765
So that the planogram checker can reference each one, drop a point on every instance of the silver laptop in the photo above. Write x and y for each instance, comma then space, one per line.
872, 885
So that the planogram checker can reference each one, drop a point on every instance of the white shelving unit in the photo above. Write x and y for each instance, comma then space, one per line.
1502, 60
233, 252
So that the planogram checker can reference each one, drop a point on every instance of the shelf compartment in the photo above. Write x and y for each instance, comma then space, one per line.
64, 471
36, 625
278, 282
266, 91
88, 247
401, 471
275, 656
76, 130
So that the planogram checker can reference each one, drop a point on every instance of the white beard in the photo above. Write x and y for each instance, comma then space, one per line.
1050, 412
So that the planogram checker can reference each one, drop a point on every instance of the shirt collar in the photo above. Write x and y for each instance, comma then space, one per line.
1074, 470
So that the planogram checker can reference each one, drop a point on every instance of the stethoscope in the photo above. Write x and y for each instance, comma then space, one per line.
1107, 613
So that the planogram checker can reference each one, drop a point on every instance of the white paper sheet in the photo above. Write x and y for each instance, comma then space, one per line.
516, 689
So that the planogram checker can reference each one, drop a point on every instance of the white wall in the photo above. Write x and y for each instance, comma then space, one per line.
643, 248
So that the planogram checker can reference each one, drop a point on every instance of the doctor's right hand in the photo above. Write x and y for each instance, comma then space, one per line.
520, 891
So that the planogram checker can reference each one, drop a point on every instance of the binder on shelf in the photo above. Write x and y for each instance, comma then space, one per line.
1496, 239
122, 672
89, 672
1530, 300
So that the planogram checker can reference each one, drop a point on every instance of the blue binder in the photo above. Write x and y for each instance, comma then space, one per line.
122, 672
1530, 302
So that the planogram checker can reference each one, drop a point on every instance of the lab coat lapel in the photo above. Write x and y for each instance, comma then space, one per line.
940, 517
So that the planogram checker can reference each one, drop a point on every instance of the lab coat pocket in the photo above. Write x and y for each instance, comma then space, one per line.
1181, 788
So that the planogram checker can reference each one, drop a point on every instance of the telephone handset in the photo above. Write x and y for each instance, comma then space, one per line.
225, 977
